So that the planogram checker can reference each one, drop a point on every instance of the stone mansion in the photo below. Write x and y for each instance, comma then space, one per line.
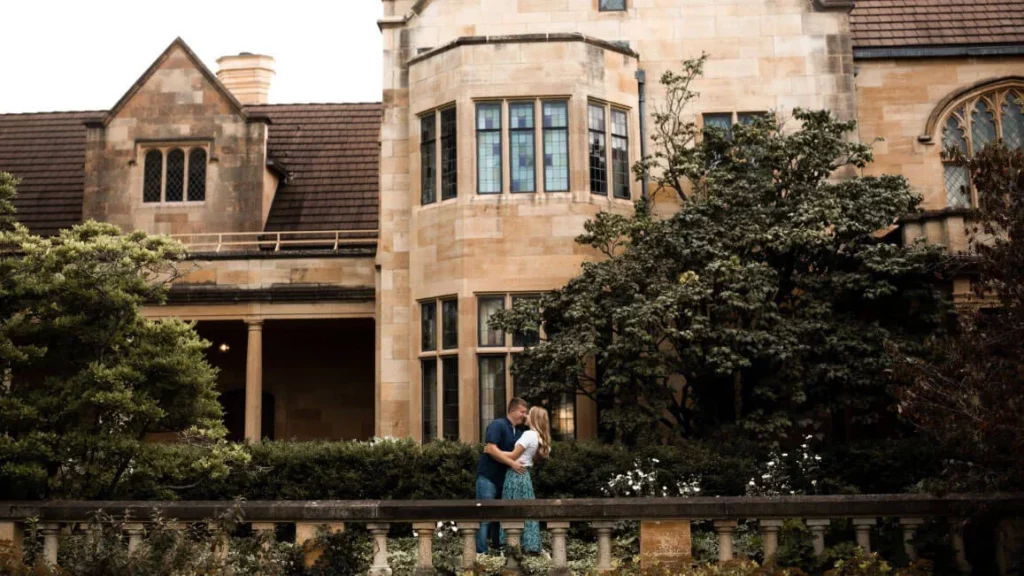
344, 258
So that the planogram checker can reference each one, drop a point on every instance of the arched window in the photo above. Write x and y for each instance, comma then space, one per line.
197, 175
972, 123
153, 177
175, 176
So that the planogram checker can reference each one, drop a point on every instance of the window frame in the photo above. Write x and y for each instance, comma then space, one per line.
187, 149
437, 357
602, 6
615, 169
602, 135
544, 130
532, 132
501, 144
449, 173
428, 168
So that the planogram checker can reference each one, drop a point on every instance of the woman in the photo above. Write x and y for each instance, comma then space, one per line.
533, 444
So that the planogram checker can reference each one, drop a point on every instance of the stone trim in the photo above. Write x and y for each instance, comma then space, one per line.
216, 295
825, 5
935, 214
523, 39
939, 111
367, 251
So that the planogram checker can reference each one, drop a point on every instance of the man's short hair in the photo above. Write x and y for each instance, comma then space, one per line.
515, 403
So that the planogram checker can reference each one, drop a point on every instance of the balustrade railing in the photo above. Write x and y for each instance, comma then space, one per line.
275, 241
816, 511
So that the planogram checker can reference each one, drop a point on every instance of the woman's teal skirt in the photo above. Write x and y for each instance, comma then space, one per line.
520, 487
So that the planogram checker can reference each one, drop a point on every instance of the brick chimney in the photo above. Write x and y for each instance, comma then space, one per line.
247, 76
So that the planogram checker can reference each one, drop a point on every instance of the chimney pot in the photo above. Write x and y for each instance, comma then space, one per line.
247, 76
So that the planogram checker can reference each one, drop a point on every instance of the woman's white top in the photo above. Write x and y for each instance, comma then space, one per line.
530, 441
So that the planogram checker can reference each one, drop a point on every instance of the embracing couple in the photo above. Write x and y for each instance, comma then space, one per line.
504, 469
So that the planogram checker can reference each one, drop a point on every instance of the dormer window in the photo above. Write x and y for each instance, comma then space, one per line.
611, 5
174, 174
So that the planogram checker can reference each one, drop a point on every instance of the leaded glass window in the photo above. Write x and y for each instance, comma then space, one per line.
598, 153
524, 339
449, 161
555, 116
563, 416
428, 326
611, 5
450, 396
490, 336
428, 166
174, 191
449, 324
719, 121
492, 389
971, 125
154, 176
428, 372
197, 175
620, 155
488, 152
521, 147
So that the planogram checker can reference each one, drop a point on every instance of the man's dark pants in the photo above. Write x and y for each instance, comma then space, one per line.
487, 490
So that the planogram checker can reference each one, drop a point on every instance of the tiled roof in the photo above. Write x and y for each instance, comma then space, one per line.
907, 23
47, 152
330, 151
332, 155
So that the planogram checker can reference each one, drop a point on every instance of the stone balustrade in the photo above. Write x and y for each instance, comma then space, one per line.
818, 512
215, 242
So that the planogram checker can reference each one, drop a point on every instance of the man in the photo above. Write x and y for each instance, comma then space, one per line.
501, 436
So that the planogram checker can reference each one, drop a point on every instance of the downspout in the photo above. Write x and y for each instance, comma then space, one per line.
641, 80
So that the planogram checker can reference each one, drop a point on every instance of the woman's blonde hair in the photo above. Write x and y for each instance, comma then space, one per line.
540, 424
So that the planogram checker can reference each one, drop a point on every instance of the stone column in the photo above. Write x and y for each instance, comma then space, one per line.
468, 531
380, 550
305, 539
962, 565
254, 381
50, 532
770, 535
265, 532
604, 545
724, 528
862, 526
513, 537
817, 527
134, 531
220, 541
425, 552
14, 533
559, 559
909, 526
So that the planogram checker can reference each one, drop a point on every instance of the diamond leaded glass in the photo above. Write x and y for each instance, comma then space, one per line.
983, 126
521, 147
556, 146
197, 175
1013, 120
154, 167
488, 148
175, 176
957, 179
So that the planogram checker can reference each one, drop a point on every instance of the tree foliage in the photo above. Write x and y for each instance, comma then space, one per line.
969, 391
85, 376
766, 300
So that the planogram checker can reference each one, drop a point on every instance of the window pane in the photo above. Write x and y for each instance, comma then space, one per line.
428, 326
488, 306
428, 174
492, 389
524, 338
175, 176
521, 146
153, 176
197, 175
620, 154
611, 5
429, 380
953, 135
556, 146
488, 151
450, 324
721, 122
958, 193
747, 118
517, 388
983, 126
1013, 121
563, 416
450, 392
598, 153
449, 162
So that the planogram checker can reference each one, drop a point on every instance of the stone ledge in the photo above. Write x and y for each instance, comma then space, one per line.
523, 39
215, 295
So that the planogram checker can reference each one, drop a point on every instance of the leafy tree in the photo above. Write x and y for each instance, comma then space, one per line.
85, 376
969, 391
766, 300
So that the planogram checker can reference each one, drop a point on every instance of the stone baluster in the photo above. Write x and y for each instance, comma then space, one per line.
817, 526
468, 531
559, 558
604, 545
220, 541
770, 535
305, 539
957, 537
134, 530
513, 538
265, 532
14, 533
724, 528
380, 565
862, 526
51, 533
425, 552
910, 526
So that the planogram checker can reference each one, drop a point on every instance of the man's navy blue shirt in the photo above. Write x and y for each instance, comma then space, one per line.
502, 434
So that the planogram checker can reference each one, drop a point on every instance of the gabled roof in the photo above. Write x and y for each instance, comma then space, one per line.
936, 23
210, 77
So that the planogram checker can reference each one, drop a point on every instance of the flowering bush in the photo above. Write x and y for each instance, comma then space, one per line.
645, 480
783, 475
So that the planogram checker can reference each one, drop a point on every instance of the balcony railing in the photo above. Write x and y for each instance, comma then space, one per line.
275, 241
817, 511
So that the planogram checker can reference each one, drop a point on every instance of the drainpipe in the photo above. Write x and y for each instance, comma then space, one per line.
641, 80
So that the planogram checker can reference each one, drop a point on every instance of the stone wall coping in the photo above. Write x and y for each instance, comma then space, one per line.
525, 38
609, 509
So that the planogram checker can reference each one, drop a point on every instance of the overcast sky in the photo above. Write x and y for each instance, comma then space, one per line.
84, 55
